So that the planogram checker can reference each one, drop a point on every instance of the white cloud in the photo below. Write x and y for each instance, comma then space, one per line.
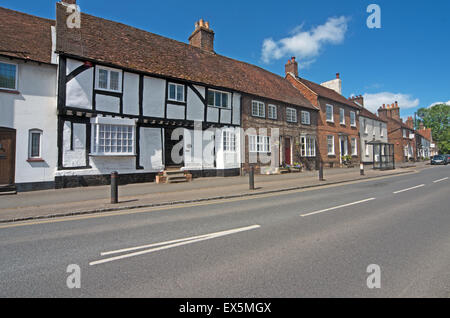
373, 101
434, 104
306, 45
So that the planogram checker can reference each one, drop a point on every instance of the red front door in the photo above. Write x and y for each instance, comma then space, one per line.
287, 151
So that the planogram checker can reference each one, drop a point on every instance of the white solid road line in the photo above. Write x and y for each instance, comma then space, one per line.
440, 180
404, 190
179, 242
338, 207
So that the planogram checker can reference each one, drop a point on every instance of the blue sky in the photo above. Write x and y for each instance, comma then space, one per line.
406, 60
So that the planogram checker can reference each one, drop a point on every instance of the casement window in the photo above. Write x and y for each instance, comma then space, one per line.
329, 111
330, 145
218, 99
259, 144
108, 79
113, 137
35, 144
272, 112
8, 76
229, 141
291, 115
176, 92
353, 119
354, 147
306, 118
258, 109
342, 116
308, 146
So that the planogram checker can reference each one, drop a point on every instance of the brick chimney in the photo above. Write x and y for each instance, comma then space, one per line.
69, 1
291, 67
358, 99
390, 111
203, 36
410, 122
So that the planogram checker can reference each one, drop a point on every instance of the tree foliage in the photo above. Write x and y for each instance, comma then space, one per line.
437, 118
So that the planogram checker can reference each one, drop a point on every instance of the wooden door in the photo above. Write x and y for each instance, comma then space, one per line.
169, 144
287, 151
7, 156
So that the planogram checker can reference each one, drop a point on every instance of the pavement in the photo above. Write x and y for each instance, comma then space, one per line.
64, 202
328, 241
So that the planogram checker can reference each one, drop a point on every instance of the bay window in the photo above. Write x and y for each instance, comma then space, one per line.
113, 137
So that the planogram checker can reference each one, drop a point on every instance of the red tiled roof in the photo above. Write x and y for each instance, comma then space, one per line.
130, 48
25, 36
425, 133
326, 92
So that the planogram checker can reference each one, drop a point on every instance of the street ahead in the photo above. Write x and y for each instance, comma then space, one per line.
310, 243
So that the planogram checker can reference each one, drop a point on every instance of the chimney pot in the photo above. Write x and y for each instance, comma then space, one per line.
203, 36
338, 75
291, 67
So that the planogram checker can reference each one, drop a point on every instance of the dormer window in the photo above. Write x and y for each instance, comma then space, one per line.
108, 79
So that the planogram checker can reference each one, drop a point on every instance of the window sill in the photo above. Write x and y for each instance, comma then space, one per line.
8, 91
35, 160
111, 155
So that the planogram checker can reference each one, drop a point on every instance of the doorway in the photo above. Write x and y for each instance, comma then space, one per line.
169, 145
287, 151
7, 156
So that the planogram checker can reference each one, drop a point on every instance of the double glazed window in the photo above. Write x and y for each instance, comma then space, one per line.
34, 144
218, 99
258, 109
272, 112
229, 141
291, 115
308, 145
353, 119
113, 139
176, 92
8, 76
330, 145
329, 111
259, 143
109, 79
306, 118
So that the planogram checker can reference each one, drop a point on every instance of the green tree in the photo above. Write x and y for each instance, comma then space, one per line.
437, 118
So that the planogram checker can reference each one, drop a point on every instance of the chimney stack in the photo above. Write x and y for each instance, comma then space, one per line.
69, 1
337, 75
359, 99
390, 111
203, 36
291, 67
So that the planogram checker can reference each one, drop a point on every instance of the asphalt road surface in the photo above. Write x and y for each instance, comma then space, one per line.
309, 243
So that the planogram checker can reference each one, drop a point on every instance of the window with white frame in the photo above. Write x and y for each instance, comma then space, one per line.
258, 109
306, 118
308, 146
35, 144
354, 147
291, 115
218, 99
329, 113
342, 116
259, 143
108, 79
272, 112
366, 128
367, 150
8, 76
229, 141
176, 92
330, 145
353, 119
113, 138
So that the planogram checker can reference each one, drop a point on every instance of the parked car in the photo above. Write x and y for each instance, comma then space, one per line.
448, 158
439, 160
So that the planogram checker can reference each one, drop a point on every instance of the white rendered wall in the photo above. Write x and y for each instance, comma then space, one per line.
80, 88
195, 107
107, 103
77, 156
373, 132
151, 149
154, 97
131, 94
33, 108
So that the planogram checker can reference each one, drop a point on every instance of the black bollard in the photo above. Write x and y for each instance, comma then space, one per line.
114, 187
251, 178
321, 171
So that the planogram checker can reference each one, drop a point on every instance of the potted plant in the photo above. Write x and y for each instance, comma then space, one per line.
296, 167
347, 160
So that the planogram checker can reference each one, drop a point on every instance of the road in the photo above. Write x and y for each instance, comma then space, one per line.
305, 243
